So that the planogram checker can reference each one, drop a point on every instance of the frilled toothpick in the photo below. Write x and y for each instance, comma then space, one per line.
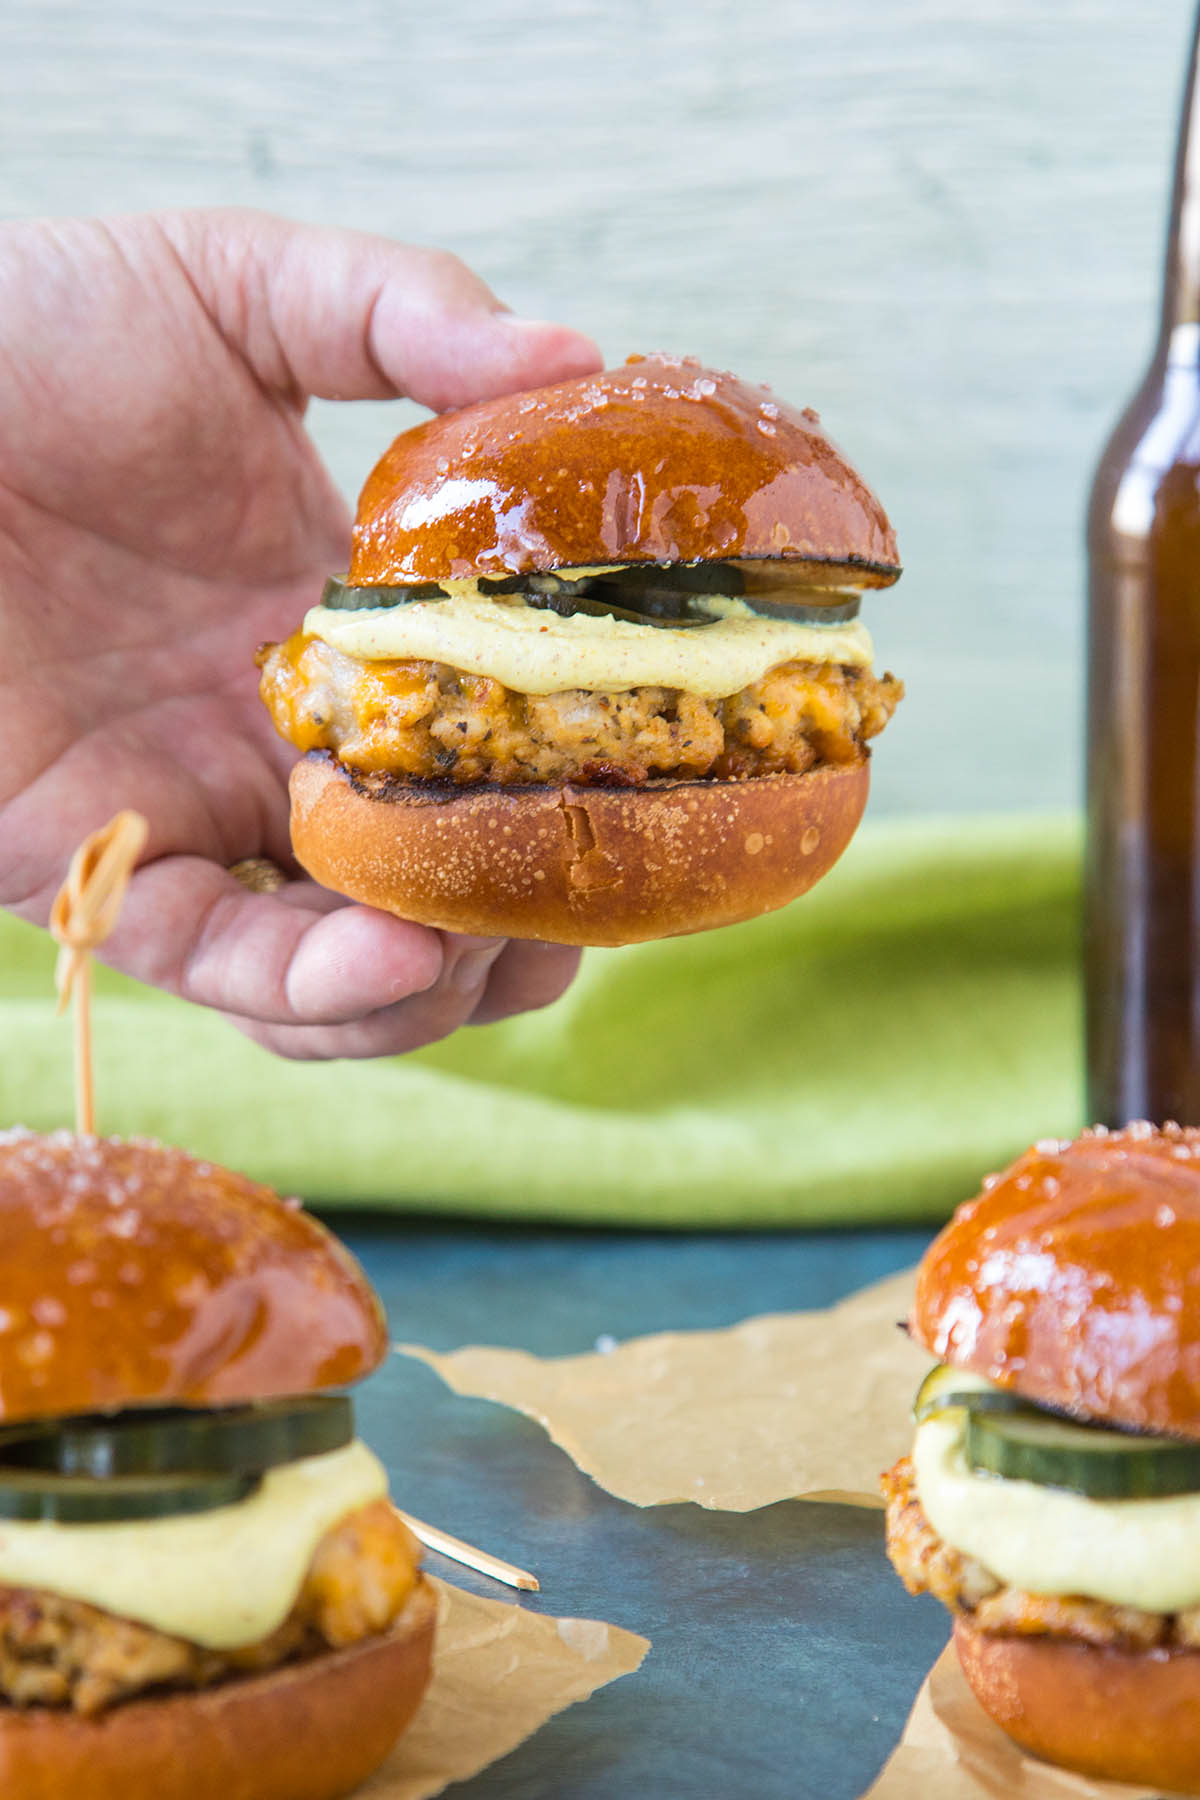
85, 911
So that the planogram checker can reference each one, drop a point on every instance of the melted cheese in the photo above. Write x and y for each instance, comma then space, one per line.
222, 1578
1143, 1553
533, 651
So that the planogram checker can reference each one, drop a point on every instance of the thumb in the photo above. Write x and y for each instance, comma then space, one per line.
348, 316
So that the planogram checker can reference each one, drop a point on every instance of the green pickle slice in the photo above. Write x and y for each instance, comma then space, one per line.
945, 1388
642, 594
35, 1495
1005, 1434
177, 1441
1083, 1459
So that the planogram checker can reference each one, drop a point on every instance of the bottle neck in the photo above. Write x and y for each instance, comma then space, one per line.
1181, 284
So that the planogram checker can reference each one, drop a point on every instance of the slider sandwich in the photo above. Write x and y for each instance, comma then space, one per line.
596, 673
1052, 1497
205, 1593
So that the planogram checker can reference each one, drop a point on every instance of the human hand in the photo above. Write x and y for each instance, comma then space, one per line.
162, 511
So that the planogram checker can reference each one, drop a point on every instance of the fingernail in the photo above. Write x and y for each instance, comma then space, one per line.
518, 322
471, 969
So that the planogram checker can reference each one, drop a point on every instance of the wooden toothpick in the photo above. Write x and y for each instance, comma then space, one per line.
85, 910
453, 1547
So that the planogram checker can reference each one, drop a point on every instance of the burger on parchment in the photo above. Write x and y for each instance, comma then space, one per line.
1052, 1498
596, 673
205, 1593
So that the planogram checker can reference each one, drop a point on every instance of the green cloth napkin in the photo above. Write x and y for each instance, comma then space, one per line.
864, 1055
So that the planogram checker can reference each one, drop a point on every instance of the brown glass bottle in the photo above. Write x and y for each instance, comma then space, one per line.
1142, 923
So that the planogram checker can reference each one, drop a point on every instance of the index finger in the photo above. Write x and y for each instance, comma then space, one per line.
349, 316
297, 957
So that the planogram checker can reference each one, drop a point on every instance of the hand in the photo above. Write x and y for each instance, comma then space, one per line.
163, 511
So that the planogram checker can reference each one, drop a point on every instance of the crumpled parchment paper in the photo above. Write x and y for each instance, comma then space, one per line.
499, 1672
808, 1405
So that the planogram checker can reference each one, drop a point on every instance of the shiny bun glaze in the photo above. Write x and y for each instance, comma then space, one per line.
309, 1730
661, 460
1074, 1278
1118, 1715
135, 1274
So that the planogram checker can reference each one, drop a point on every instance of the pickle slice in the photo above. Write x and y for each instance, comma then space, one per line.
676, 613
340, 596
944, 1388
591, 594
177, 1441
642, 594
835, 613
1083, 1459
33, 1495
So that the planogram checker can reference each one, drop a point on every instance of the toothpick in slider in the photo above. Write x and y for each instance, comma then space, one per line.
453, 1547
84, 912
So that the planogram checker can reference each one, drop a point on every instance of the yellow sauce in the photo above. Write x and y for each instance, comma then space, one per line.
1143, 1553
533, 651
222, 1578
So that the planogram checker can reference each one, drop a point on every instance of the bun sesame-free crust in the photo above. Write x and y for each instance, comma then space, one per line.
134, 1273
659, 461
1074, 1277
310, 1730
575, 865
1119, 1715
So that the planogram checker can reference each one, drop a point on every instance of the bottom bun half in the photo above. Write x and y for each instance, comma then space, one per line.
307, 1731
576, 865
1118, 1714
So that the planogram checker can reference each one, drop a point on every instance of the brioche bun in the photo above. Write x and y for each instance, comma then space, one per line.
659, 461
1072, 1277
135, 1274
568, 865
1108, 1713
310, 1730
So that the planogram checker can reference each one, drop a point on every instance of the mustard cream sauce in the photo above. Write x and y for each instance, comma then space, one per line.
534, 651
222, 1578
1143, 1553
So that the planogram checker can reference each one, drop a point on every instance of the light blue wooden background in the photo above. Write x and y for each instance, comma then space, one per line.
939, 223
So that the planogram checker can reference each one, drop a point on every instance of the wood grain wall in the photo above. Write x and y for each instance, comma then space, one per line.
939, 223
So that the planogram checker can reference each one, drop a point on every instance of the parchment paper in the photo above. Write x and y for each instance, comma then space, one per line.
951, 1750
499, 1673
786, 1406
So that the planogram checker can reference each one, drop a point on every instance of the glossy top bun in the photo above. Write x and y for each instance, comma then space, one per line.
1075, 1278
659, 461
134, 1274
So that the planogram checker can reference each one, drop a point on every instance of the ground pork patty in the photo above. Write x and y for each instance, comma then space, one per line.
927, 1564
423, 720
60, 1652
